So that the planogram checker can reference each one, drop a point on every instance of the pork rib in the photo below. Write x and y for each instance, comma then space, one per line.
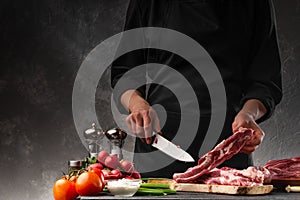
223, 151
251, 176
284, 168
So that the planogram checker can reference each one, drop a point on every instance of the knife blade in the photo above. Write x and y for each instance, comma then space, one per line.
171, 149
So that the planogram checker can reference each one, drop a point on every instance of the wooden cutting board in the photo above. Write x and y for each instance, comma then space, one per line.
220, 189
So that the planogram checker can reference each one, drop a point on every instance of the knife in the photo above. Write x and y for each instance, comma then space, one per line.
171, 149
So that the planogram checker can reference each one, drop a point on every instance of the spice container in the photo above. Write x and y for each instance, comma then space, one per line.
116, 138
93, 137
75, 165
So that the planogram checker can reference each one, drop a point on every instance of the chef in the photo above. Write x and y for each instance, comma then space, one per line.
241, 39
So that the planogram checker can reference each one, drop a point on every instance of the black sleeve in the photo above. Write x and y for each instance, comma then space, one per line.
263, 76
128, 61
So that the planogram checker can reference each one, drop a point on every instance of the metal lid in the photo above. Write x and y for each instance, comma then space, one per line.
115, 133
93, 133
76, 163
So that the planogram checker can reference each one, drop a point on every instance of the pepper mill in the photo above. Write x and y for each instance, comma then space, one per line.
93, 138
116, 138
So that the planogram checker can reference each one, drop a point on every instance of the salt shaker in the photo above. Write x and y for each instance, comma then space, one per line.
116, 138
93, 138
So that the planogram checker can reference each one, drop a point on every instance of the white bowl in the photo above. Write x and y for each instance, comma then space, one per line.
123, 187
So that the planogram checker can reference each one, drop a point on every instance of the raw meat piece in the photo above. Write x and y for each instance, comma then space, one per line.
284, 168
267, 174
251, 176
223, 151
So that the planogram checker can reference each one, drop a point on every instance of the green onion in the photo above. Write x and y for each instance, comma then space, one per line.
155, 185
148, 191
152, 191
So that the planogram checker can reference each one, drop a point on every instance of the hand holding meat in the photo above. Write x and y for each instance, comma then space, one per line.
252, 110
245, 120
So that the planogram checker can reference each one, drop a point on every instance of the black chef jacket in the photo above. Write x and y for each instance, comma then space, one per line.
239, 36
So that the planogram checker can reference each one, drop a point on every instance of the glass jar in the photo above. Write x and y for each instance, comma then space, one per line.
75, 165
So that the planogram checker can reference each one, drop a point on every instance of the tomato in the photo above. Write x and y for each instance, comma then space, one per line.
64, 189
99, 173
73, 179
89, 184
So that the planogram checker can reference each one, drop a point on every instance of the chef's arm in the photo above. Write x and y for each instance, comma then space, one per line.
254, 108
262, 79
132, 100
251, 112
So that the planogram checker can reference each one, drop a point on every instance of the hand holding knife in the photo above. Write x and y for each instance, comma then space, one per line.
143, 122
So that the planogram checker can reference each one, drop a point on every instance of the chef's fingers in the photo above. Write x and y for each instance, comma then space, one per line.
235, 126
254, 142
257, 138
133, 121
158, 131
156, 125
143, 140
147, 127
148, 134
129, 123
139, 125
139, 119
239, 121
248, 149
132, 125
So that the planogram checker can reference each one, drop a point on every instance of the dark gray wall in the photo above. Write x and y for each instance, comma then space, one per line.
283, 129
42, 46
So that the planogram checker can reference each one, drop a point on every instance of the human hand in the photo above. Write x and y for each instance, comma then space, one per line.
143, 119
246, 120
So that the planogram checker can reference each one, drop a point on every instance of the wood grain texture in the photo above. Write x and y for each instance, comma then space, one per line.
222, 189
161, 181
218, 189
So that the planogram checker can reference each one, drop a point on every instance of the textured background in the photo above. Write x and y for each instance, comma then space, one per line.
42, 45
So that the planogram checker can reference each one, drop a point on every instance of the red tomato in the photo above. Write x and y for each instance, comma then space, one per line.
64, 189
89, 184
99, 173
73, 179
